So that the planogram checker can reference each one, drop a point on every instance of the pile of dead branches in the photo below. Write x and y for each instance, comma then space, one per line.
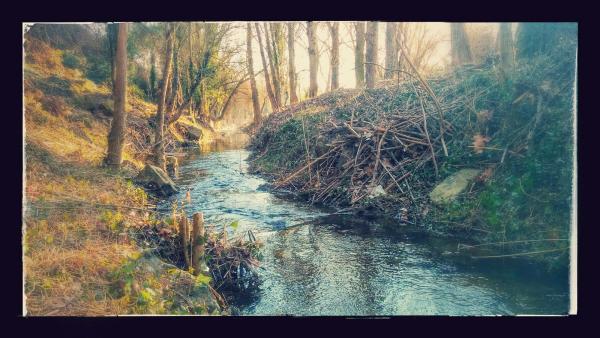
369, 146
232, 263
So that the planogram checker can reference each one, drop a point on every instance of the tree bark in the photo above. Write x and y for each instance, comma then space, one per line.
359, 54
191, 72
270, 93
335, 55
253, 88
291, 65
371, 54
116, 137
278, 43
313, 58
506, 46
391, 50
461, 50
269, 44
159, 147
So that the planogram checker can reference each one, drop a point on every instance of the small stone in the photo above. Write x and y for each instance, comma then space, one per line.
453, 186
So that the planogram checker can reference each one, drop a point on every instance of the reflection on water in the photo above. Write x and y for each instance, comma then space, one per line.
344, 266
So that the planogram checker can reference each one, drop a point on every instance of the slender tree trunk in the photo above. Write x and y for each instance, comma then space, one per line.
335, 55
191, 71
313, 57
116, 137
159, 147
291, 65
279, 56
506, 46
371, 54
461, 50
255, 105
270, 44
270, 93
391, 49
359, 54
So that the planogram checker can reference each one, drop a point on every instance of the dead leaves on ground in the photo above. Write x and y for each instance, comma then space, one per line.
479, 142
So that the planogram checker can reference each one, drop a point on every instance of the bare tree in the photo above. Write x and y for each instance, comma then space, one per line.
359, 54
506, 46
273, 65
116, 137
391, 49
461, 50
270, 93
313, 57
412, 37
335, 54
254, 90
291, 65
159, 147
371, 54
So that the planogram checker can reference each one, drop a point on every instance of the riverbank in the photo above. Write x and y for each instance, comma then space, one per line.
81, 257
383, 152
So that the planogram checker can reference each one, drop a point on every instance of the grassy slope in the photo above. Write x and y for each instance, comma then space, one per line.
75, 247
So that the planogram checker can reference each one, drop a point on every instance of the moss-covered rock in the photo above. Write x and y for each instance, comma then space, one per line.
453, 186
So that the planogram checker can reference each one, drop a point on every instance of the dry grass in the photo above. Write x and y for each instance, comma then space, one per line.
72, 241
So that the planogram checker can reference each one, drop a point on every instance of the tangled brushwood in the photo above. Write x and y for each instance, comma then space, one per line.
229, 262
360, 145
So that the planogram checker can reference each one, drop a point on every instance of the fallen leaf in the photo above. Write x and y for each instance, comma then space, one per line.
479, 143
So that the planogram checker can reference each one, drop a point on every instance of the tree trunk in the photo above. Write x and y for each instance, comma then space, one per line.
506, 46
270, 93
116, 137
273, 65
291, 65
391, 50
359, 54
191, 72
371, 54
255, 105
278, 56
313, 57
461, 50
335, 55
159, 147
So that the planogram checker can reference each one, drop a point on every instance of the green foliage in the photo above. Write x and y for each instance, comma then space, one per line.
70, 60
234, 225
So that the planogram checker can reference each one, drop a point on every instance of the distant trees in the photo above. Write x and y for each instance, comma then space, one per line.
116, 136
460, 48
253, 88
270, 93
371, 54
273, 63
291, 61
359, 53
313, 57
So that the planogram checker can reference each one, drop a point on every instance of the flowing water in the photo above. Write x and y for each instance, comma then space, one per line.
340, 265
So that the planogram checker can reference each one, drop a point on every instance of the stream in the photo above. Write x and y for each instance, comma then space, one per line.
342, 265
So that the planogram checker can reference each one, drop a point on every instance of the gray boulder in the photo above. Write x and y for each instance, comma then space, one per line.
453, 186
156, 179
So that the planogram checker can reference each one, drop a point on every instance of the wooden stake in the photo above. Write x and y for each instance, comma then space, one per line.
185, 233
197, 242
